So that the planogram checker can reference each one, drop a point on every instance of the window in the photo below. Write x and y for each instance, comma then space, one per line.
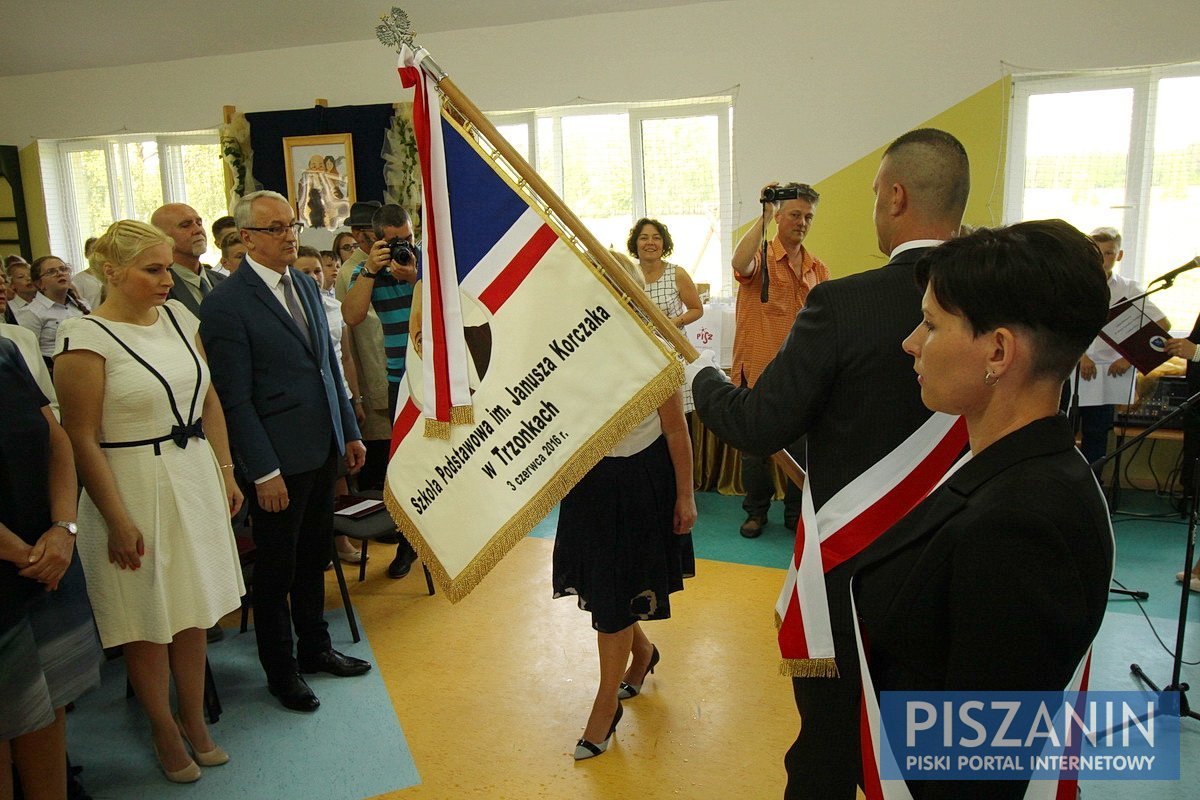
90, 183
614, 163
1121, 150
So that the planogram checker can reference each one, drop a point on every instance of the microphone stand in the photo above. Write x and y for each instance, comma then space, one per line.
1175, 685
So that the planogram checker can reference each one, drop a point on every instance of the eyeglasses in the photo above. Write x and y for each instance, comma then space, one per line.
278, 231
63, 270
348, 246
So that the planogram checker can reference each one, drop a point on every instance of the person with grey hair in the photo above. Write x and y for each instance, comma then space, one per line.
386, 285
842, 380
290, 420
193, 281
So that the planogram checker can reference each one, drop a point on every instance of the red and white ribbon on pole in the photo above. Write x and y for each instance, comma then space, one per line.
447, 395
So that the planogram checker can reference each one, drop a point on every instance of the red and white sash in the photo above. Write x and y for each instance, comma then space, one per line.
847, 523
875, 788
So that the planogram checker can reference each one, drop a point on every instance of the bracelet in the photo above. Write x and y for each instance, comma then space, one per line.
226, 466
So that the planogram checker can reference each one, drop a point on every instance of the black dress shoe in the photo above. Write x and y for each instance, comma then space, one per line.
294, 693
334, 663
402, 564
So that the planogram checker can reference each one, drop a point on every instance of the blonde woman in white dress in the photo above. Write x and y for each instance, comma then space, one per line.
150, 441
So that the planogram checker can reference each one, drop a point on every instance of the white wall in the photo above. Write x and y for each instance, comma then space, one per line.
818, 84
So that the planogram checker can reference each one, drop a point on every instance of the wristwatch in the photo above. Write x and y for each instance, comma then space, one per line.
363, 273
69, 527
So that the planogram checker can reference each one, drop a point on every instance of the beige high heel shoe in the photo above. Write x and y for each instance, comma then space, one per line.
189, 774
213, 758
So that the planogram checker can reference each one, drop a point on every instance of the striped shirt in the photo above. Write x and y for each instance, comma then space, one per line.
392, 300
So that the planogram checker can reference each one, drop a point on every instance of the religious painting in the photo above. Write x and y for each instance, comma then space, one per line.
320, 178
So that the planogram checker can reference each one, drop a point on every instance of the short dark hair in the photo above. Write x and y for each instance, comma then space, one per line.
933, 166
35, 269
631, 242
388, 215
329, 254
304, 251
228, 242
223, 222
1044, 276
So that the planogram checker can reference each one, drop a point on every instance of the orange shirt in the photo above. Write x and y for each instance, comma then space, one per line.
761, 328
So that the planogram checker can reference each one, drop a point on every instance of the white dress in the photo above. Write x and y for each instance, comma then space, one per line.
190, 574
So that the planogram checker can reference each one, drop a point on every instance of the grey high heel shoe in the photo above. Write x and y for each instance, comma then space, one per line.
585, 749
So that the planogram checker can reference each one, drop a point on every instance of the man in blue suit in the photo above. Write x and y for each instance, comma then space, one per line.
289, 419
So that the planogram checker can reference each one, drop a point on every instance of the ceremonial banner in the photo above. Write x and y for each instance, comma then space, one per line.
542, 365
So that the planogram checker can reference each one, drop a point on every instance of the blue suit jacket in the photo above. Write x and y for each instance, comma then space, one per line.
284, 400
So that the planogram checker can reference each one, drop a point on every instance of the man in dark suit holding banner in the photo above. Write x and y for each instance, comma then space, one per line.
842, 379
289, 419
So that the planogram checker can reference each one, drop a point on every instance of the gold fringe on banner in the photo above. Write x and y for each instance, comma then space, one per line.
808, 668
646, 401
436, 429
462, 415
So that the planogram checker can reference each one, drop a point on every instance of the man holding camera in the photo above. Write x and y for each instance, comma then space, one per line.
763, 322
384, 281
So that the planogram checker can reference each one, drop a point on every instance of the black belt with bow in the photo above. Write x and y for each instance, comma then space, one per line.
180, 434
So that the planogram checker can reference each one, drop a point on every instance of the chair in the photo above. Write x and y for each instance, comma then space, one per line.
377, 527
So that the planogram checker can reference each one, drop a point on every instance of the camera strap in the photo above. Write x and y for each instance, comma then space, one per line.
766, 273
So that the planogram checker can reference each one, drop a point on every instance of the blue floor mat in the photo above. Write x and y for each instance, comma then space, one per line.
352, 747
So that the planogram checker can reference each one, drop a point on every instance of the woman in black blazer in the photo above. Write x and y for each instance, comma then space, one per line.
998, 580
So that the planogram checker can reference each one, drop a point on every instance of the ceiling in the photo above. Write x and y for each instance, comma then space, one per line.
54, 35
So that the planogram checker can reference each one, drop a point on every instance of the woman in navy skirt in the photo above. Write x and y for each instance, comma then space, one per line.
49, 654
622, 549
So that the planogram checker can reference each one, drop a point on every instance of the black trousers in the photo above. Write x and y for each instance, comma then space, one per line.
371, 476
758, 481
294, 545
825, 762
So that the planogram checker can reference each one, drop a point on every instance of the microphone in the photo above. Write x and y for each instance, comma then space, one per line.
1169, 278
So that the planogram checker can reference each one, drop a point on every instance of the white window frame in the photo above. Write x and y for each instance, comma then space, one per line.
1140, 163
66, 239
721, 108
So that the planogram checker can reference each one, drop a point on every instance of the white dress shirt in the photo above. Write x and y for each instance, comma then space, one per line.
43, 316
274, 282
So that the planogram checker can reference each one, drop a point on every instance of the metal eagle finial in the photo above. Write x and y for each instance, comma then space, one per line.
395, 29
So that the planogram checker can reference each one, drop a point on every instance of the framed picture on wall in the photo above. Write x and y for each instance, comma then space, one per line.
320, 178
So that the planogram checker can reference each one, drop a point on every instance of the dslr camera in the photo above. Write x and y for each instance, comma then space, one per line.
401, 251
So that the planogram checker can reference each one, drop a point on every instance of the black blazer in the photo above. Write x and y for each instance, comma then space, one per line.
997, 581
842, 378
183, 294
283, 397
